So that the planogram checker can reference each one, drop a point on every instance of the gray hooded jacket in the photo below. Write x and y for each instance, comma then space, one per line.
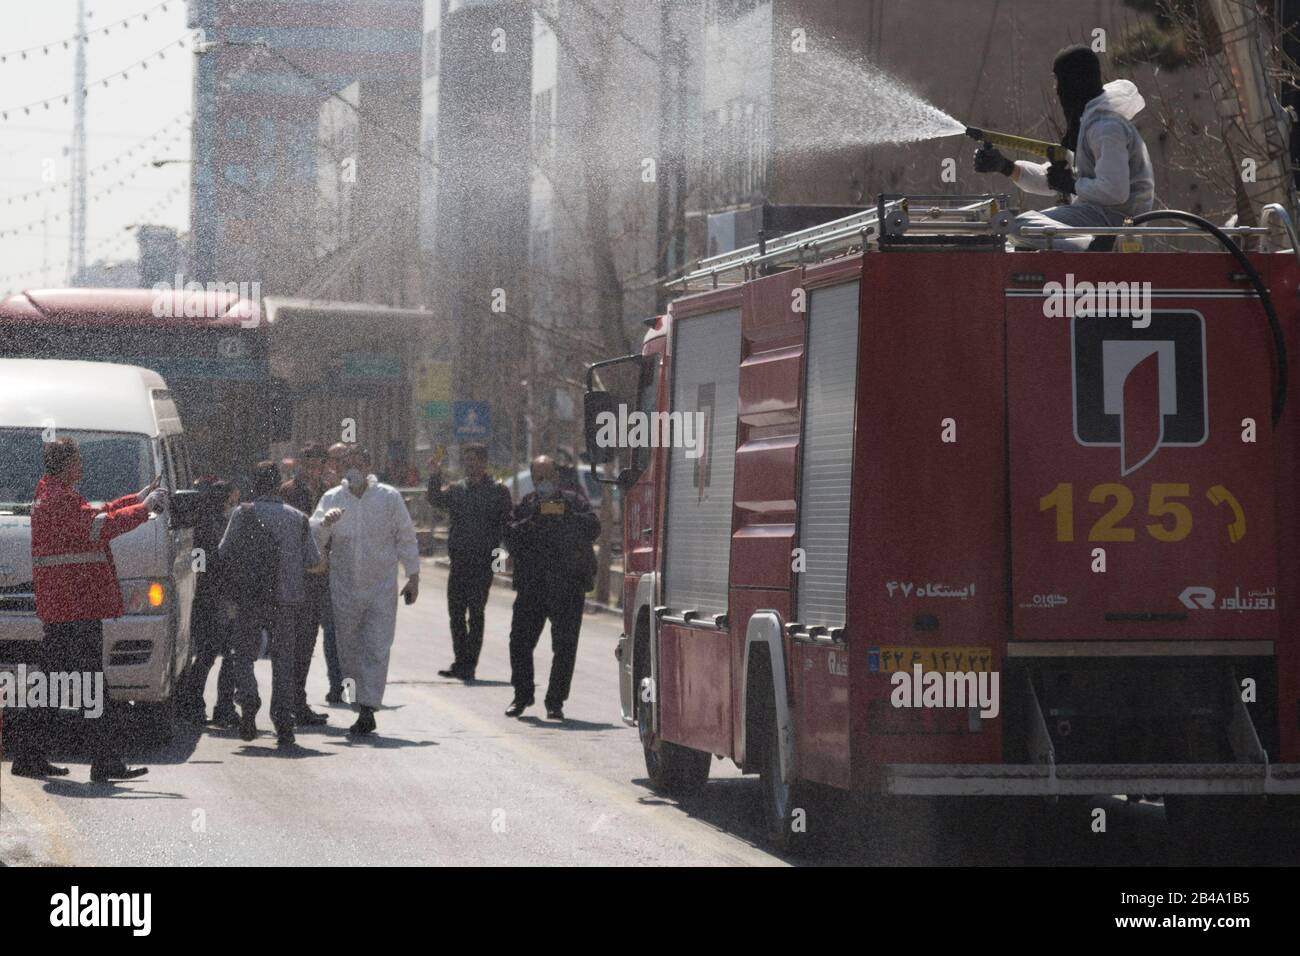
1111, 166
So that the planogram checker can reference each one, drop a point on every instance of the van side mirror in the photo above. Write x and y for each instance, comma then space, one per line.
594, 405
183, 508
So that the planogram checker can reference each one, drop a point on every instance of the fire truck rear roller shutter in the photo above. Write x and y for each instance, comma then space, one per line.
827, 451
706, 375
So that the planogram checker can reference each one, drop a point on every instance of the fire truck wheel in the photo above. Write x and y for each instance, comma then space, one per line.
784, 805
672, 768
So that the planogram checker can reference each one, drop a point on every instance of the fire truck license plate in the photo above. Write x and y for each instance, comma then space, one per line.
886, 660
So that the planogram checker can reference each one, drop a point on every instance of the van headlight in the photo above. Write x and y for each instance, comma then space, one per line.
145, 595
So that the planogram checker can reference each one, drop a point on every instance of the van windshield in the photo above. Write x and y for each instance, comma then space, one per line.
113, 464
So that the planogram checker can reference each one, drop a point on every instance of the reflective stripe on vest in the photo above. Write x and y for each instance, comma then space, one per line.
97, 525
85, 557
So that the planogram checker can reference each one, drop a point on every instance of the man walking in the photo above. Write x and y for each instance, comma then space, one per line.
369, 532
266, 551
478, 509
550, 540
76, 589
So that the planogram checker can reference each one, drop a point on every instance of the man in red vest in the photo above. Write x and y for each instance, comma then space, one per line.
76, 588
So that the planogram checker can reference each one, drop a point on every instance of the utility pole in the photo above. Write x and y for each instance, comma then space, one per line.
77, 172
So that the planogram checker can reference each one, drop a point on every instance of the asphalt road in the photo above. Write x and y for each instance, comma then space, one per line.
449, 779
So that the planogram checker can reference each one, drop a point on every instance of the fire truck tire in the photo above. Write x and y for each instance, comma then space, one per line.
672, 768
783, 806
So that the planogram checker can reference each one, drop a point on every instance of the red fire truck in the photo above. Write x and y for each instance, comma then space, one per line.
924, 463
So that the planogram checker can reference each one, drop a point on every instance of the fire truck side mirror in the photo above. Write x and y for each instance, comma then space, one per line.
595, 404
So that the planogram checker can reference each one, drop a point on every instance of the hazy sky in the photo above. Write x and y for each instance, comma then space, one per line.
119, 117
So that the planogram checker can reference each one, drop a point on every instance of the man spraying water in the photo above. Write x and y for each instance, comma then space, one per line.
1111, 177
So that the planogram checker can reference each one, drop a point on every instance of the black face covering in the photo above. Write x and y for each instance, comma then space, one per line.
1078, 81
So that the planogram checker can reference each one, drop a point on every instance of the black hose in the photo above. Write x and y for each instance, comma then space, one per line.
1275, 326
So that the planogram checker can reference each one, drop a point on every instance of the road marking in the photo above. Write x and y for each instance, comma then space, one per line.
721, 846
43, 808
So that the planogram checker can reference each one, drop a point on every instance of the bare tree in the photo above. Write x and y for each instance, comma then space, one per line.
1239, 47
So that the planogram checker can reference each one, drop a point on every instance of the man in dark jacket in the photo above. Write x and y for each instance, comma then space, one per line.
209, 621
274, 545
478, 509
550, 538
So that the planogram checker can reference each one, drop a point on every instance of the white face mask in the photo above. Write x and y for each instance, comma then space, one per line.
354, 476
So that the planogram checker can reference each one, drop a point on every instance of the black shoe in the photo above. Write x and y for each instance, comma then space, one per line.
365, 723
248, 725
37, 768
284, 739
554, 712
455, 670
116, 771
335, 696
306, 717
517, 707
224, 717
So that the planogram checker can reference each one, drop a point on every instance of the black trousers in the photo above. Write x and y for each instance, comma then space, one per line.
76, 647
211, 633
563, 606
467, 593
311, 616
281, 625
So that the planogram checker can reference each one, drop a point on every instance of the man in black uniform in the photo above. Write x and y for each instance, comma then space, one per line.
478, 509
549, 537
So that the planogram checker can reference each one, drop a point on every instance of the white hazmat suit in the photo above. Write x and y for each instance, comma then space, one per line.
366, 546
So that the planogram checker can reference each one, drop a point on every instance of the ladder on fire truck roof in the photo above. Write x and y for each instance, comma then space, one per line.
920, 219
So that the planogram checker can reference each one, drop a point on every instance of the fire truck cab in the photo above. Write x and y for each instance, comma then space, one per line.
906, 512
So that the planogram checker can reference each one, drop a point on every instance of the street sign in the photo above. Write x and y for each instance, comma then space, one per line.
433, 390
471, 421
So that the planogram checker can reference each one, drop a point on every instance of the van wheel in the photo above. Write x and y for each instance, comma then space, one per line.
155, 721
783, 806
672, 768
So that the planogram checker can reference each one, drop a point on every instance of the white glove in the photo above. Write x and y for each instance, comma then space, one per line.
156, 500
147, 490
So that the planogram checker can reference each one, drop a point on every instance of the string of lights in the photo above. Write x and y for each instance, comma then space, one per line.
66, 42
110, 246
95, 196
157, 138
122, 74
